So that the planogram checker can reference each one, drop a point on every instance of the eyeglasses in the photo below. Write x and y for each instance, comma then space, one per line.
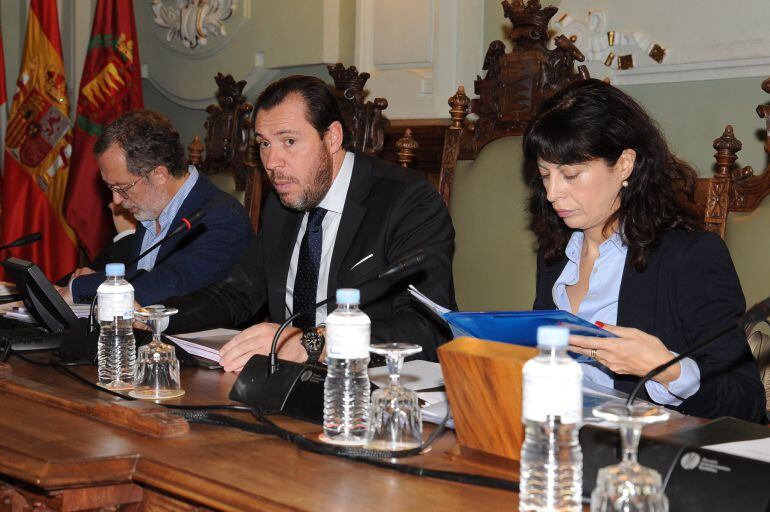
123, 191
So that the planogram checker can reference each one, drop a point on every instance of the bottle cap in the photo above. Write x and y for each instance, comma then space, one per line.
115, 269
348, 296
552, 336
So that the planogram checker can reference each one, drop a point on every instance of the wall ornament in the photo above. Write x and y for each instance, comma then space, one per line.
610, 47
193, 21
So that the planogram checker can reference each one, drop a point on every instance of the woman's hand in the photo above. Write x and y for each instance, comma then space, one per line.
633, 352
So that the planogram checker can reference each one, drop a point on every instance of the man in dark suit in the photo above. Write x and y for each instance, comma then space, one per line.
142, 161
332, 220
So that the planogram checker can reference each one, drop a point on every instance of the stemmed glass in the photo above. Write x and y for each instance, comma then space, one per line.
157, 368
395, 420
629, 486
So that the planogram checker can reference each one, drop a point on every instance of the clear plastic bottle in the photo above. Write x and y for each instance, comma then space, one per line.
346, 389
117, 346
552, 411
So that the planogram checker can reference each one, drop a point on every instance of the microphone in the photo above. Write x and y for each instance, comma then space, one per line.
411, 261
296, 389
24, 240
408, 262
185, 225
757, 312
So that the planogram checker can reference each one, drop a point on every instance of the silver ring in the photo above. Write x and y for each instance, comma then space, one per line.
593, 353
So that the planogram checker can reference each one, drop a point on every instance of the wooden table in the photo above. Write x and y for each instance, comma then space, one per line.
55, 459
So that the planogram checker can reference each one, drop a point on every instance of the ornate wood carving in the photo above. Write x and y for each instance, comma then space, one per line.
458, 109
195, 152
364, 118
228, 128
14, 499
406, 148
732, 188
518, 81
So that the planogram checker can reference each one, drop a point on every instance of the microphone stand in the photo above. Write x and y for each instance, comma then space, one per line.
296, 389
78, 345
184, 227
411, 260
665, 366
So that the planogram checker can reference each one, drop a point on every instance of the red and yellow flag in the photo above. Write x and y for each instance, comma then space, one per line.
37, 149
110, 86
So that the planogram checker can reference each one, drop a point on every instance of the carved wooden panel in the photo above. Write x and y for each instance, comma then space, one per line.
513, 87
228, 128
516, 82
732, 188
364, 118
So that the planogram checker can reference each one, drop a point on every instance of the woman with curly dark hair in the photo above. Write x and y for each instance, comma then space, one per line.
616, 248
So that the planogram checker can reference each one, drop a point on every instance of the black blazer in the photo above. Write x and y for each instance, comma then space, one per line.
189, 261
688, 292
389, 211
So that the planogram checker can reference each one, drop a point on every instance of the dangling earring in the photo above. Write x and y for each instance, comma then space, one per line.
624, 183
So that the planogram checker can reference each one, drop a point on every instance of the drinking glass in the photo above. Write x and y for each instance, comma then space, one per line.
395, 420
629, 486
157, 368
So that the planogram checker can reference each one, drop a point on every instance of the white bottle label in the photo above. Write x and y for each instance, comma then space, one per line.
552, 390
116, 301
347, 341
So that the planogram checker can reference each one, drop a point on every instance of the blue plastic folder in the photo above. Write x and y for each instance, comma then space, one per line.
518, 327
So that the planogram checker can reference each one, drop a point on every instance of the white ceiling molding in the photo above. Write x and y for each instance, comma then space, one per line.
692, 72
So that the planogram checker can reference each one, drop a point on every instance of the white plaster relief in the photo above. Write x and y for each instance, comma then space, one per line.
192, 21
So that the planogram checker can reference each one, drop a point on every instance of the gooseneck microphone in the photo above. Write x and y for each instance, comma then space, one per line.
24, 240
408, 262
185, 225
758, 312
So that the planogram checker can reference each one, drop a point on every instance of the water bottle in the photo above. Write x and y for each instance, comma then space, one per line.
346, 389
551, 459
117, 346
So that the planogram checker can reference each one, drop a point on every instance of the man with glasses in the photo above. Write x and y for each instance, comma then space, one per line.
143, 163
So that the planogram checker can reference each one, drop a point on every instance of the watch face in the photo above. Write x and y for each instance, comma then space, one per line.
313, 341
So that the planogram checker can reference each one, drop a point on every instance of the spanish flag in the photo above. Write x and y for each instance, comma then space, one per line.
111, 86
37, 149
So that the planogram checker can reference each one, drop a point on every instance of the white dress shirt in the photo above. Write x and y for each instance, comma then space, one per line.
333, 202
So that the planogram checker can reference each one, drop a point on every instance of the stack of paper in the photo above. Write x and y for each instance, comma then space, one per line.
205, 344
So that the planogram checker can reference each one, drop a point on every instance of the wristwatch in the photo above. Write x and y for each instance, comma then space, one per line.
313, 341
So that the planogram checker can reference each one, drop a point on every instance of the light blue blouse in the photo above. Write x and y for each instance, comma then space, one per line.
601, 304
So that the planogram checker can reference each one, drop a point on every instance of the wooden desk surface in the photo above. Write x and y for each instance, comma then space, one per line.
79, 462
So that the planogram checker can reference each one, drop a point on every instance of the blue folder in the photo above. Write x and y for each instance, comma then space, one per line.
518, 327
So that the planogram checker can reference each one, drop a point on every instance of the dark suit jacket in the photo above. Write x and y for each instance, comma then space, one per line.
688, 292
389, 211
116, 252
190, 260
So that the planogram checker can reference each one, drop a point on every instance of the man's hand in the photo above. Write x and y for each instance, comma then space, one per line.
64, 291
257, 340
83, 271
122, 218
633, 352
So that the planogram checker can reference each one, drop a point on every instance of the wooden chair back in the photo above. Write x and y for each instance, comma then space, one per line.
497, 271
512, 89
